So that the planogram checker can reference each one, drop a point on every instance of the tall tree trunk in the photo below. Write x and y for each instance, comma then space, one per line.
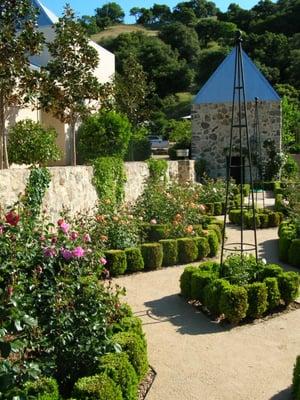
2, 131
73, 141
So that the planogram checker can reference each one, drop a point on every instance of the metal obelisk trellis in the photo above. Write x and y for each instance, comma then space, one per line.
239, 134
259, 180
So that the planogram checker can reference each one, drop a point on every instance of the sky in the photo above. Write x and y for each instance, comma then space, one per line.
87, 7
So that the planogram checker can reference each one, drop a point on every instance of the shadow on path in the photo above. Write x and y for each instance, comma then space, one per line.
174, 309
283, 395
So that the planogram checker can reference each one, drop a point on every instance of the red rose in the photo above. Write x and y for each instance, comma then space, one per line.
12, 218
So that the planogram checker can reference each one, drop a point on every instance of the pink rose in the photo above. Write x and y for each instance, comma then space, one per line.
87, 238
73, 235
78, 252
103, 261
54, 240
64, 227
1, 229
49, 252
67, 254
105, 274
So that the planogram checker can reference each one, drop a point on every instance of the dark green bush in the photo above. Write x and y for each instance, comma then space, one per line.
270, 271
294, 253
116, 262
218, 208
274, 219
185, 281
152, 255
157, 232
289, 286
117, 366
187, 250
296, 380
246, 189
136, 349
286, 235
199, 279
213, 243
212, 293
216, 228
263, 220
134, 259
139, 149
273, 293
235, 216
97, 387
202, 246
234, 303
210, 208
42, 389
249, 220
129, 324
170, 251
257, 299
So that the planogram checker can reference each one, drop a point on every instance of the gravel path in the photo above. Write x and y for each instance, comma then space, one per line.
196, 359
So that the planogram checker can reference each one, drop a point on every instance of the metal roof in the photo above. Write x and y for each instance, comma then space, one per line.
45, 17
219, 87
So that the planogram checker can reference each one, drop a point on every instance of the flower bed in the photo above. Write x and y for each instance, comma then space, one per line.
264, 218
239, 291
289, 243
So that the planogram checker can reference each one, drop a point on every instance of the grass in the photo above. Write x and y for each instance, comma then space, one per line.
116, 30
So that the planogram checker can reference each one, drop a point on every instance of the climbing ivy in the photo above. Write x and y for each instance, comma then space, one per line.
109, 180
157, 169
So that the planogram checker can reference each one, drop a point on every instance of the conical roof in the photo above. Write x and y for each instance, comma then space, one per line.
219, 87
45, 17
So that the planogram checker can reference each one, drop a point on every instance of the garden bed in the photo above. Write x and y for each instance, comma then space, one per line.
264, 218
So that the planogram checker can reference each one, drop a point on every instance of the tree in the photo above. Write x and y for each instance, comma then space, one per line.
209, 29
135, 12
161, 13
145, 17
185, 14
109, 14
19, 40
90, 24
69, 88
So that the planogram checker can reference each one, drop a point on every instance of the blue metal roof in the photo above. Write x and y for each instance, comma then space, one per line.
219, 87
45, 17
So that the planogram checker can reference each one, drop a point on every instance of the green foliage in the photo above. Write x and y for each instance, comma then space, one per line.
116, 262
109, 179
134, 259
119, 369
42, 389
289, 286
269, 271
30, 143
97, 387
155, 232
233, 303
296, 380
212, 294
135, 347
290, 121
109, 14
129, 324
294, 253
187, 250
241, 271
257, 298
106, 133
215, 228
152, 255
199, 279
38, 182
273, 293
203, 247
170, 251
185, 281
213, 243
139, 147
157, 169
274, 219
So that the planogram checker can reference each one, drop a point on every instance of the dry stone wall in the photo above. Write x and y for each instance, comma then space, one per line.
211, 125
71, 188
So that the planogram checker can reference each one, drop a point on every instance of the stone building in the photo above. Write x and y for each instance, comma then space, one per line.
212, 112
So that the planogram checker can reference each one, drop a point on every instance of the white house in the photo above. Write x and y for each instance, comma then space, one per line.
104, 72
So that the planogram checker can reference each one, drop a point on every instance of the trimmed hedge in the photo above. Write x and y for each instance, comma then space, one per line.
187, 250
213, 243
170, 251
156, 232
257, 299
296, 380
129, 324
136, 349
289, 286
185, 281
97, 387
117, 366
116, 262
202, 246
43, 389
264, 218
270, 271
199, 279
234, 303
273, 293
134, 259
216, 228
152, 254
212, 293
294, 253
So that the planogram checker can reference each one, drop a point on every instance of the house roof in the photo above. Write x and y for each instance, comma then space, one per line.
219, 87
45, 17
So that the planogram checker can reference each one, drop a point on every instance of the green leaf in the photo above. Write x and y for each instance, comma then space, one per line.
29, 320
18, 325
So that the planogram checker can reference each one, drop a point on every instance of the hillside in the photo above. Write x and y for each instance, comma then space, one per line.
115, 30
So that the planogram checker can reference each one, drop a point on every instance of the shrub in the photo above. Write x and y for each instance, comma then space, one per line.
212, 293
257, 299
97, 387
235, 216
289, 286
30, 143
284, 246
106, 133
187, 250
294, 253
116, 262
270, 271
263, 220
273, 293
156, 232
157, 169
170, 251
185, 281
249, 220
129, 324
139, 149
136, 349
274, 219
152, 255
234, 303
134, 259
199, 279
218, 208
117, 366
42, 389
203, 247
296, 380
209, 208
213, 243
216, 229
246, 190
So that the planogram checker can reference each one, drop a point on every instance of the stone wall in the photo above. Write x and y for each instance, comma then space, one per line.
211, 124
71, 187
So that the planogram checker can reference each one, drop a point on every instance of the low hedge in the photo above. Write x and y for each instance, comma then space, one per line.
170, 251
273, 293
288, 283
234, 303
216, 228
116, 262
134, 259
152, 255
294, 253
257, 294
187, 250
213, 243
155, 232
264, 218
129, 324
97, 387
185, 281
296, 380
200, 278
287, 236
202, 246
43, 389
